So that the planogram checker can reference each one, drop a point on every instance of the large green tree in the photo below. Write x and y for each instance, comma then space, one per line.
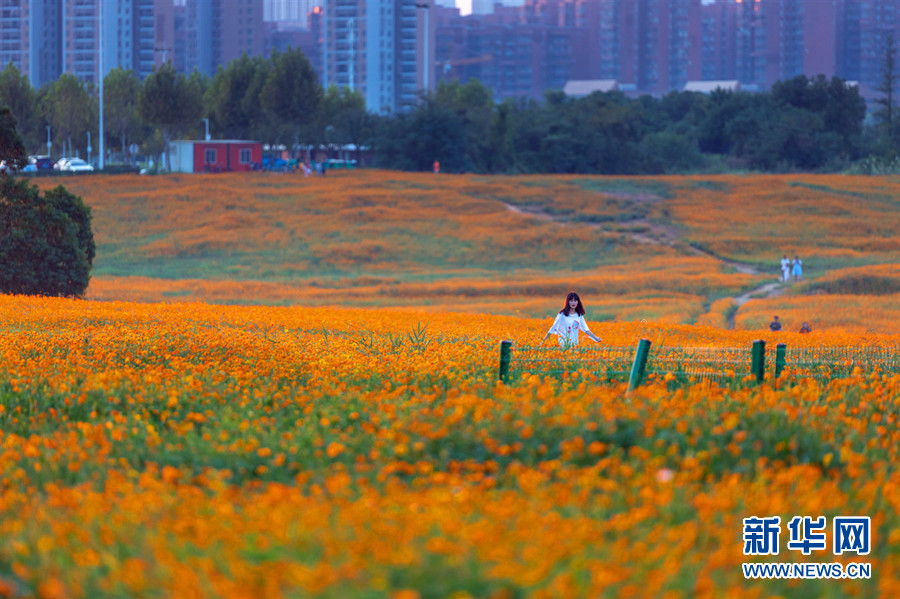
121, 88
46, 242
232, 99
171, 102
17, 93
12, 150
473, 103
344, 112
71, 108
292, 93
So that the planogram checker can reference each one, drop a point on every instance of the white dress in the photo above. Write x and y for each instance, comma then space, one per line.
567, 327
785, 268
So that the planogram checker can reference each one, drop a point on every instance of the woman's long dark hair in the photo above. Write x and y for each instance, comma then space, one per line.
579, 309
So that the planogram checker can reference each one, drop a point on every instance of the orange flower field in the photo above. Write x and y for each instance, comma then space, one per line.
197, 450
288, 387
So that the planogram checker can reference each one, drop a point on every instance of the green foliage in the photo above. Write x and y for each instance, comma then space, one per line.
170, 101
11, 148
808, 124
46, 243
16, 93
120, 106
72, 110
876, 165
292, 93
232, 99
343, 119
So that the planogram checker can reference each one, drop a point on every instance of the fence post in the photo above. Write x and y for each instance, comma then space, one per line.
640, 362
779, 359
758, 359
505, 352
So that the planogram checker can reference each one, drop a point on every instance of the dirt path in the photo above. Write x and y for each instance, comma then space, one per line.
655, 234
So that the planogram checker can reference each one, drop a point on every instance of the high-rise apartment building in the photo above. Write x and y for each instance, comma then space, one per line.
14, 33
45, 38
511, 51
876, 20
288, 10
218, 31
380, 48
759, 42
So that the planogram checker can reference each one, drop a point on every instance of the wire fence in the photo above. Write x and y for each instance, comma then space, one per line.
608, 362
699, 363
839, 362
693, 364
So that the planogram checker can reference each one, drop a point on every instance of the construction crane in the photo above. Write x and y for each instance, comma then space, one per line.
450, 65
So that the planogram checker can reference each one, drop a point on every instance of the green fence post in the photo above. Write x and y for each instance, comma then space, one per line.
780, 350
758, 359
505, 353
640, 362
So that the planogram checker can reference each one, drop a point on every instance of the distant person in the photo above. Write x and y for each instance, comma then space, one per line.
785, 269
775, 325
436, 167
568, 322
797, 268
805, 328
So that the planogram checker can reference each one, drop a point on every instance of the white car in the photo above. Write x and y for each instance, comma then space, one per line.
76, 165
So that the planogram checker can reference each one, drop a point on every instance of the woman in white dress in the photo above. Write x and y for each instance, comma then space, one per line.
569, 321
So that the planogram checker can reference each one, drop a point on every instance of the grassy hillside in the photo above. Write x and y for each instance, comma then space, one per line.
669, 249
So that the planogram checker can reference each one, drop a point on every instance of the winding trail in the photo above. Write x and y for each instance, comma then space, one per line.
655, 234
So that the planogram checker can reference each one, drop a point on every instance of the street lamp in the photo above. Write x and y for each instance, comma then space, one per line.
89, 148
207, 128
49, 144
425, 70
100, 68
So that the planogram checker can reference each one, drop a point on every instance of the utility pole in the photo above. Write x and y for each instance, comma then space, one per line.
100, 33
351, 43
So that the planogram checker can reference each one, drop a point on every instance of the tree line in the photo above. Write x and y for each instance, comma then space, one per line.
808, 124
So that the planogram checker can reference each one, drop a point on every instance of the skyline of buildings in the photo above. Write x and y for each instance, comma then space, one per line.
392, 50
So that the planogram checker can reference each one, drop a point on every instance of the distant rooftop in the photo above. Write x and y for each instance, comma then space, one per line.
707, 87
586, 87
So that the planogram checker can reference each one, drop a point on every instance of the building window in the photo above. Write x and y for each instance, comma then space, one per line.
210, 156
245, 156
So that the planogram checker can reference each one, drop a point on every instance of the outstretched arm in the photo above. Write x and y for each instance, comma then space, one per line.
553, 328
584, 327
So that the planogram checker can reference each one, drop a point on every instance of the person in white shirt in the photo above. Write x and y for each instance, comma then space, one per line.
569, 321
785, 269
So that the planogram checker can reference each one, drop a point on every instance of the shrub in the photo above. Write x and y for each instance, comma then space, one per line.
46, 242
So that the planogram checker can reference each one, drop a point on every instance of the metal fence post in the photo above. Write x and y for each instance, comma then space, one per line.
780, 350
505, 353
758, 360
640, 362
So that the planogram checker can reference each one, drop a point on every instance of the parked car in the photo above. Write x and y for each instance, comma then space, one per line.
41, 163
60, 165
77, 165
